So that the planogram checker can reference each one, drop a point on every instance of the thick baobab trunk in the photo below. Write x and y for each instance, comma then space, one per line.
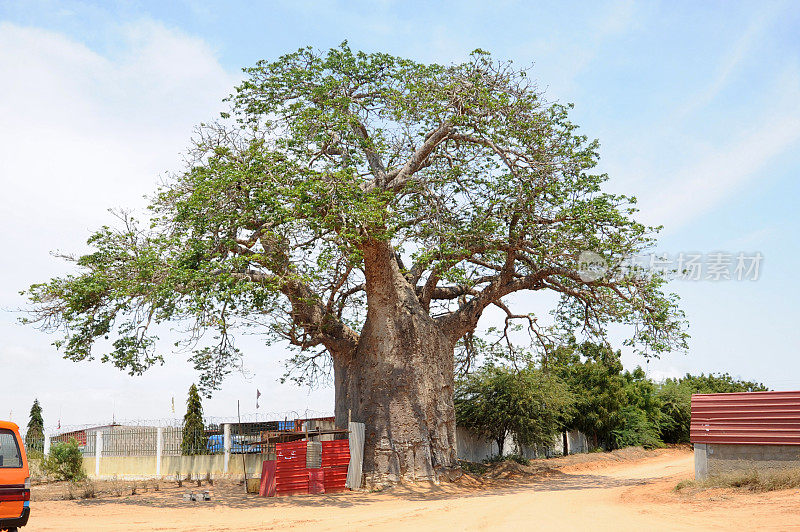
399, 381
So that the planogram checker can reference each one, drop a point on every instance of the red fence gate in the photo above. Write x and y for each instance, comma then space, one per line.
292, 476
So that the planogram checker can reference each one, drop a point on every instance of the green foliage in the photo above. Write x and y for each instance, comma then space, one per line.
676, 403
473, 468
34, 437
498, 401
594, 376
65, 461
518, 458
465, 173
613, 407
194, 436
641, 417
635, 429
675, 397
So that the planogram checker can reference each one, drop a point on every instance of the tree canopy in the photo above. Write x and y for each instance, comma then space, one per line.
465, 176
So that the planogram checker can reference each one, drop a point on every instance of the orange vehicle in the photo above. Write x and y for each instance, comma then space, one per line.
15, 482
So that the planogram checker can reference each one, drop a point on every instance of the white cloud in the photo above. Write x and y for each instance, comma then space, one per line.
732, 60
82, 132
619, 17
702, 184
705, 183
683, 169
713, 170
83, 129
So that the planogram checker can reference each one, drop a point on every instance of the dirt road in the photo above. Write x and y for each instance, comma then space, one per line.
631, 495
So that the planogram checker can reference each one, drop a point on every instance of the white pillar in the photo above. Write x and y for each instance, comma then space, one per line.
46, 443
226, 443
98, 452
159, 449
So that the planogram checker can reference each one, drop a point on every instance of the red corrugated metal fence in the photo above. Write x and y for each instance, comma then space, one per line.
268, 485
335, 458
316, 480
291, 475
760, 418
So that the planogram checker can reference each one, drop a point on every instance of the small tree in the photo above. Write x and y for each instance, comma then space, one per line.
498, 401
194, 438
34, 439
65, 461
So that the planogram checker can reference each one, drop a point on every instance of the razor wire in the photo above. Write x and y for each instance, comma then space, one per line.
139, 437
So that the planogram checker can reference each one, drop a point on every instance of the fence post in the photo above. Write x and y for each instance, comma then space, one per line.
46, 449
226, 443
159, 449
98, 452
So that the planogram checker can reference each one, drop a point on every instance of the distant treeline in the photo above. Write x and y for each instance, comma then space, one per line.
583, 387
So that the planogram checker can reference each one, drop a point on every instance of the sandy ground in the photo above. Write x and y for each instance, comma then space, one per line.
597, 493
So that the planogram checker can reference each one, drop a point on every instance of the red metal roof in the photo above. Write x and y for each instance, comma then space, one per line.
761, 418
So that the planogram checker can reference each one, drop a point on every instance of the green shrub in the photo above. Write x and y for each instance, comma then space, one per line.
636, 430
473, 468
65, 461
518, 458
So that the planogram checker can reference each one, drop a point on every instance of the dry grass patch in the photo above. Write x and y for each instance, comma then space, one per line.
81, 489
750, 480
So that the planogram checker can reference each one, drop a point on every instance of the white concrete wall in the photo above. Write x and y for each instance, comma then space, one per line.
474, 448
146, 467
577, 442
700, 461
715, 459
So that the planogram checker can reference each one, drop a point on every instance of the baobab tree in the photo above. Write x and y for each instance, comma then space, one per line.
367, 209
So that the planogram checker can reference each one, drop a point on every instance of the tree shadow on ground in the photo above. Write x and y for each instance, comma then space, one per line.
229, 498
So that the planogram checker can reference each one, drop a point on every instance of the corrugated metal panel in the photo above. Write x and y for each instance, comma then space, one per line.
335, 458
291, 475
267, 485
356, 446
761, 418
316, 480
335, 453
335, 479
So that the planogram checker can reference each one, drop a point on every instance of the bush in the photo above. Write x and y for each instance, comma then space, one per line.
636, 430
473, 468
36, 466
65, 461
81, 489
518, 458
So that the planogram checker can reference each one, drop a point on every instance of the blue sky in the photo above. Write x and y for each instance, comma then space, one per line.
696, 105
